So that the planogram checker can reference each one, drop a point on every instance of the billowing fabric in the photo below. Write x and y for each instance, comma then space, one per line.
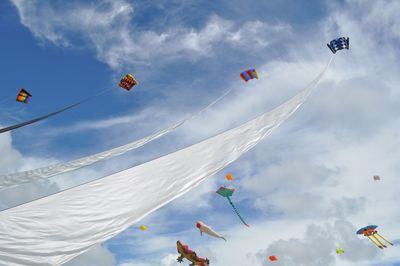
249, 74
32, 121
2, 130
23, 96
339, 44
52, 170
57, 228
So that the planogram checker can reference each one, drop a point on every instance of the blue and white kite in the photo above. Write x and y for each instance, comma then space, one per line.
339, 44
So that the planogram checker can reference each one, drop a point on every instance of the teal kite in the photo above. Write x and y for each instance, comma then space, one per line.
227, 193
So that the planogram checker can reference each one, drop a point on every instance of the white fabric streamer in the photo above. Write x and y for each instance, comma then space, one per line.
57, 228
18, 178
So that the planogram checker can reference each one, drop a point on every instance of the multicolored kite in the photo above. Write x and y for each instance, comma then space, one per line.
339, 44
373, 235
23, 96
128, 82
190, 255
227, 193
249, 74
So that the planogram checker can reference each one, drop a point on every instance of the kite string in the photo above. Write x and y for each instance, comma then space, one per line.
94, 96
6, 100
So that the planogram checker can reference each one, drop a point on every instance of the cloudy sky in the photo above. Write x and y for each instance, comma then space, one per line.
305, 190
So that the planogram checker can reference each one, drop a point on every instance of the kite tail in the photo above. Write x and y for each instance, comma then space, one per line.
376, 244
384, 239
237, 212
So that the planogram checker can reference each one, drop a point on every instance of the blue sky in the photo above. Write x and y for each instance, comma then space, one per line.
310, 182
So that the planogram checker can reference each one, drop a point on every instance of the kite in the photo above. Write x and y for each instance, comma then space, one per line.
249, 74
373, 235
59, 227
339, 44
190, 255
128, 82
143, 227
273, 258
339, 251
13, 179
208, 230
377, 177
229, 177
23, 96
227, 193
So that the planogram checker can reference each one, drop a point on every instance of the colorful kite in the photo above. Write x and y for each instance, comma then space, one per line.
373, 235
339, 44
273, 258
23, 96
227, 193
190, 255
128, 82
208, 230
339, 251
249, 74
229, 177
377, 177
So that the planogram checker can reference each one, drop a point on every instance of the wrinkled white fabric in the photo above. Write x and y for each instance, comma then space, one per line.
55, 229
13, 179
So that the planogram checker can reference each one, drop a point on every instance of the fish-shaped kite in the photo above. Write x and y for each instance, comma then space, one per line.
208, 230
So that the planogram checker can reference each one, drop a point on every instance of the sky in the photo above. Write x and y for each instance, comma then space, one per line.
305, 189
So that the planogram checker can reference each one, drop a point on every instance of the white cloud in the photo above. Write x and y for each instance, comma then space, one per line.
318, 247
107, 27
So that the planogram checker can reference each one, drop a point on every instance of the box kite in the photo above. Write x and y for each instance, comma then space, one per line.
128, 82
23, 96
377, 177
373, 235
